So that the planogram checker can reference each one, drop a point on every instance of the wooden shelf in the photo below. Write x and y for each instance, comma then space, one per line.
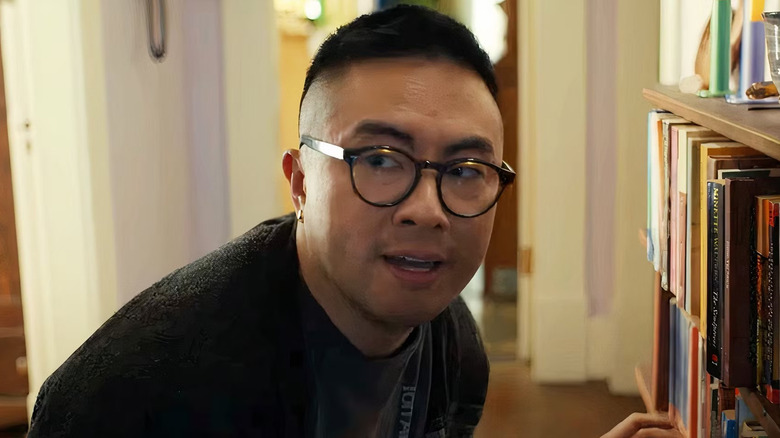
759, 129
642, 374
766, 412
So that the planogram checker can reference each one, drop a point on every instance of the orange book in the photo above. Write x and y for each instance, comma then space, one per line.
694, 383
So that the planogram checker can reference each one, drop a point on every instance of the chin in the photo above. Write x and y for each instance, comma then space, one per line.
408, 312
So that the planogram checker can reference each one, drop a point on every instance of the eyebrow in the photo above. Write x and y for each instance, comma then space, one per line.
475, 143
371, 127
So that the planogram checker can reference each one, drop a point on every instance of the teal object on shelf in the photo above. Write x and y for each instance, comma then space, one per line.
720, 52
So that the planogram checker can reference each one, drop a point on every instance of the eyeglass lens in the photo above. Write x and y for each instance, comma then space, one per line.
384, 176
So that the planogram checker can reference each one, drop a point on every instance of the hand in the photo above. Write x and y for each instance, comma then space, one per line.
639, 425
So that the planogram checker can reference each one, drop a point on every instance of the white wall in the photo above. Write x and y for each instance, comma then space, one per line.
123, 173
166, 136
252, 112
637, 68
553, 201
583, 188
601, 31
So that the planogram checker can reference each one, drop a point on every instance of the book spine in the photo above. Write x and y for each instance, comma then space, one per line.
756, 297
673, 215
683, 331
650, 172
694, 383
660, 371
714, 191
682, 254
714, 428
673, 359
772, 298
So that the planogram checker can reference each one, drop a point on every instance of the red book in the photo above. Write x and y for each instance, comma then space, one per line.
738, 322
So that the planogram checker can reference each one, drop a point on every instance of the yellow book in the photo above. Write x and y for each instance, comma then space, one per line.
728, 148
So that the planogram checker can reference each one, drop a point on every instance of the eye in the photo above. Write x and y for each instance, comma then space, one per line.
466, 172
382, 160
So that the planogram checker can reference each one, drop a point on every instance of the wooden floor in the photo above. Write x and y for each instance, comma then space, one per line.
516, 407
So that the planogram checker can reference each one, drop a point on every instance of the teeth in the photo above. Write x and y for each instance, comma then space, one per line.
412, 264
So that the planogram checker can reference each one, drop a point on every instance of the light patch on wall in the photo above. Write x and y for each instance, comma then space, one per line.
312, 9
489, 24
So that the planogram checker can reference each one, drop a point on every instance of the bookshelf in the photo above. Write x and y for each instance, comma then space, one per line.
766, 412
758, 129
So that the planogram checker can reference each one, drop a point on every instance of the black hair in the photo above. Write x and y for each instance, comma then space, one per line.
401, 31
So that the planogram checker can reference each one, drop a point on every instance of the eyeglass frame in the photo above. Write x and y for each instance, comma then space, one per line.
505, 172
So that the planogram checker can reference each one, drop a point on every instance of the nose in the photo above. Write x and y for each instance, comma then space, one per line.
422, 207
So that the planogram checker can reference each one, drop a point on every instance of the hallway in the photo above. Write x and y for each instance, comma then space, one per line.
516, 407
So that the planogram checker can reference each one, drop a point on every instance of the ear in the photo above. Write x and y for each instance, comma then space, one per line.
293, 171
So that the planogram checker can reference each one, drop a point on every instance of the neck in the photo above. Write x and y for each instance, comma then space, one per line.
373, 338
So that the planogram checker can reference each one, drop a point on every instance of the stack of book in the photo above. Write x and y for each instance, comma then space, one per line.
714, 240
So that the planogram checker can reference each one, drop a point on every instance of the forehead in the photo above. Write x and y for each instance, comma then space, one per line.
433, 100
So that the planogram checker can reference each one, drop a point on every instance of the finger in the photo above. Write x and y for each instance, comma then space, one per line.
637, 422
643, 421
657, 433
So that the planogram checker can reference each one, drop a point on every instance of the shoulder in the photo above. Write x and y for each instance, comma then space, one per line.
189, 324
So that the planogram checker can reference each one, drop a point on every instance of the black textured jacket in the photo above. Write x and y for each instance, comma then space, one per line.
216, 349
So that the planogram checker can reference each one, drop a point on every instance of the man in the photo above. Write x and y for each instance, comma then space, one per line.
346, 321
343, 321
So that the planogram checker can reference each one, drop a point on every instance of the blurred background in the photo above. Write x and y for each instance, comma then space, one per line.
138, 135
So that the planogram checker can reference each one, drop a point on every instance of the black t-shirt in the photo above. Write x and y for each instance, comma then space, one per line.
354, 396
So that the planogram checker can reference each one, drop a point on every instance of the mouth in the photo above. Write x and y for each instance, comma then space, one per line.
413, 264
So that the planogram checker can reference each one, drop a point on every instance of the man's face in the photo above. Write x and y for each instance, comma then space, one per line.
361, 251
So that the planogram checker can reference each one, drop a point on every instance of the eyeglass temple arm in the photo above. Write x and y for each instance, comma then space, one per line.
328, 149
506, 166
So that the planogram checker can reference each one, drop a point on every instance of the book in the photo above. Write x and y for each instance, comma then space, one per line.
762, 288
772, 301
656, 177
703, 418
748, 173
690, 196
760, 246
659, 380
694, 382
682, 137
665, 231
674, 214
714, 411
738, 367
673, 359
715, 278
708, 171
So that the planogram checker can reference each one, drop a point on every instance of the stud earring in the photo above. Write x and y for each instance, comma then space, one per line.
299, 213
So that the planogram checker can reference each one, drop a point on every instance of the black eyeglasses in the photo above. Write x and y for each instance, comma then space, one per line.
383, 176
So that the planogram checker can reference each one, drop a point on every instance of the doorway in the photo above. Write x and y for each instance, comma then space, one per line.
13, 361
